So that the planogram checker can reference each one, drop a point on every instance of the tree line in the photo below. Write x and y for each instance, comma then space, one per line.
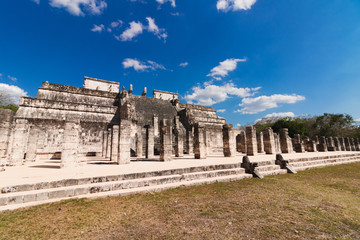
328, 125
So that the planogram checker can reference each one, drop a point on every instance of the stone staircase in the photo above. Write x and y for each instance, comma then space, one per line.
12, 197
322, 161
269, 167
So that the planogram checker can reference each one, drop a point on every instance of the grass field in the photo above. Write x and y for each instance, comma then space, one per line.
313, 204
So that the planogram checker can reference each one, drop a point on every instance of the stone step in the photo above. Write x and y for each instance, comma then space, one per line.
78, 190
267, 168
301, 168
110, 178
323, 157
274, 172
322, 161
127, 191
265, 163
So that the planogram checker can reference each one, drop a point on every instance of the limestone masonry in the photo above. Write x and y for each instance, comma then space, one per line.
71, 123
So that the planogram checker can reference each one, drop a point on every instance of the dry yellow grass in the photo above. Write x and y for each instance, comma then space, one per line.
314, 204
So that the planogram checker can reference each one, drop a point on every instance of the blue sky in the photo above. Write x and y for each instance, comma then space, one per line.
246, 58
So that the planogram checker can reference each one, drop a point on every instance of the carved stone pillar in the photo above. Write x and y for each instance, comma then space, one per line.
298, 145
285, 142
251, 142
228, 141
70, 144
199, 141
347, 144
114, 143
108, 145
243, 142
269, 141
104, 143
149, 149
189, 147
179, 138
260, 142
19, 142
165, 140
322, 147
124, 142
330, 144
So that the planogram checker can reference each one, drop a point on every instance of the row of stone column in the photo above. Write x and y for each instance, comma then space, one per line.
252, 143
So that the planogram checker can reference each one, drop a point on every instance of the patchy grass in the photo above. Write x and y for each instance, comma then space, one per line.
313, 204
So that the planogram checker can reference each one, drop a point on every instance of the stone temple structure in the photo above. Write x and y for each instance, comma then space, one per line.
70, 123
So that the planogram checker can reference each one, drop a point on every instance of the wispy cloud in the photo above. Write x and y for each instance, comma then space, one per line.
36, 1
262, 103
98, 28
212, 94
77, 7
234, 5
11, 92
140, 66
184, 64
221, 110
14, 79
153, 28
173, 4
223, 69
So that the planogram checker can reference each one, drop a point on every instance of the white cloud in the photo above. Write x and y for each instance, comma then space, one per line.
141, 66
76, 7
212, 94
164, 1
175, 14
1, 75
13, 92
280, 115
98, 28
357, 120
152, 27
14, 79
184, 64
221, 110
116, 24
135, 29
36, 1
235, 5
223, 69
262, 103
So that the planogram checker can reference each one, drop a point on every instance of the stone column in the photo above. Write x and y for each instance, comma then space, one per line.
139, 144
347, 144
19, 142
342, 144
32, 143
149, 149
124, 142
70, 144
352, 144
189, 147
357, 146
165, 140
260, 142
208, 141
228, 141
269, 141
310, 145
337, 144
322, 147
251, 142
298, 145
315, 139
277, 143
179, 138
108, 143
199, 141
285, 143
243, 142
114, 143
104, 143
330, 144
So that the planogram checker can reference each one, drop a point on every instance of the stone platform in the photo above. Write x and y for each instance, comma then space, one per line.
44, 181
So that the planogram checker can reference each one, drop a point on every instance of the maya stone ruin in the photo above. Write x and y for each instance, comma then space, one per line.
71, 124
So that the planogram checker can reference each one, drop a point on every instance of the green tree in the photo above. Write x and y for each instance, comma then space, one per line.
6, 102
